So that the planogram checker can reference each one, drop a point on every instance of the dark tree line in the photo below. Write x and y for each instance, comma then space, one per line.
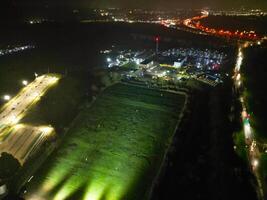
9, 166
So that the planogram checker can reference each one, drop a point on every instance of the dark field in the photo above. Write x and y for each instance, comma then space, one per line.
116, 146
73, 48
254, 72
241, 23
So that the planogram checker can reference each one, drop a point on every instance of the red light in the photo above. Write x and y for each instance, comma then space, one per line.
157, 39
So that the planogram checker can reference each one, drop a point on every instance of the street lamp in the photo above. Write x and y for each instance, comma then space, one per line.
24, 82
255, 163
6, 97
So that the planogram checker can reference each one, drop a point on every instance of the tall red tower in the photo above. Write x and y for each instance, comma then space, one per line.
157, 44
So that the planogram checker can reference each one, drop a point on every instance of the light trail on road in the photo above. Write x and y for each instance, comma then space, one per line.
194, 23
250, 140
239, 61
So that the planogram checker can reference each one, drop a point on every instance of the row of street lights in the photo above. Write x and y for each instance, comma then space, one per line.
8, 97
24, 83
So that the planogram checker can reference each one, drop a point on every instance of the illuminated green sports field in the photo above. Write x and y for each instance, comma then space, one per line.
115, 149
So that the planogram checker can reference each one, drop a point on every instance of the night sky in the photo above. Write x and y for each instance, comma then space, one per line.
155, 4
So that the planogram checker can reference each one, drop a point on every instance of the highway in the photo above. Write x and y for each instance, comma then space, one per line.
248, 38
194, 23
17, 107
22, 140
254, 153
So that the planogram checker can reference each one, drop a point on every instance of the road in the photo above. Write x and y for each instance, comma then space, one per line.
18, 106
249, 38
22, 140
195, 24
254, 152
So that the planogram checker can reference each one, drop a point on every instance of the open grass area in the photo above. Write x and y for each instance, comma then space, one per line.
114, 149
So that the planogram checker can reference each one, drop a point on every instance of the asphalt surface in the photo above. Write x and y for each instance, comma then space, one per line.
21, 140
17, 107
24, 140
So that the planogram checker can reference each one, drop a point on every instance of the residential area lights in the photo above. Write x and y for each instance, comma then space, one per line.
16, 49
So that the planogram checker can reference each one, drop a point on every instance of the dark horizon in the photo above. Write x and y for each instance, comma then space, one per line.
149, 4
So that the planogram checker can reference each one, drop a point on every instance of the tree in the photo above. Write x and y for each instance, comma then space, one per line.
9, 166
